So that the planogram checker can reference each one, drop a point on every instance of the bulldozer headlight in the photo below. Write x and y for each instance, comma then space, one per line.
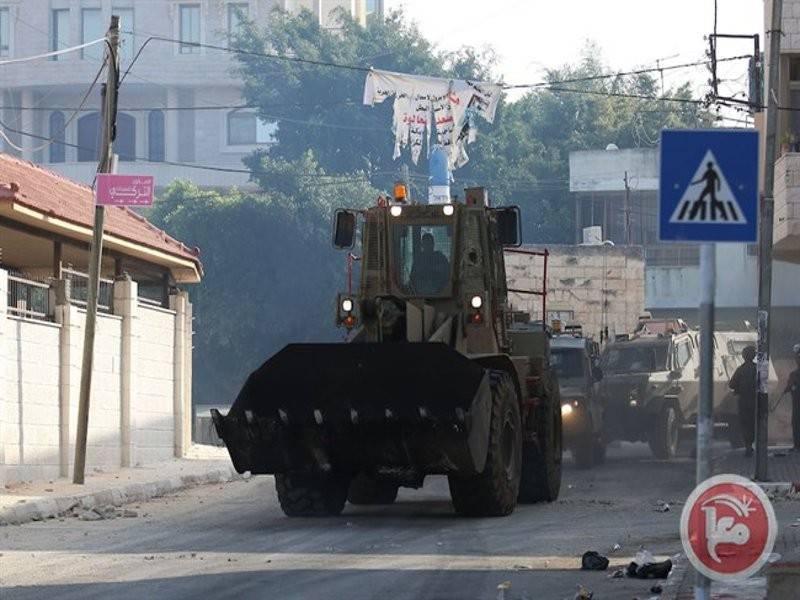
476, 302
566, 410
396, 210
347, 305
448, 210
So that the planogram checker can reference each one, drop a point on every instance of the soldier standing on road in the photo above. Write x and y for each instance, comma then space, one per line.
793, 388
743, 384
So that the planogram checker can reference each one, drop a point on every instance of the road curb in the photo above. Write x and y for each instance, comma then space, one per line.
49, 508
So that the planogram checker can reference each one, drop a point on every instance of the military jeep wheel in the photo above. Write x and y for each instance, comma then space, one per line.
369, 490
311, 495
493, 493
541, 462
665, 434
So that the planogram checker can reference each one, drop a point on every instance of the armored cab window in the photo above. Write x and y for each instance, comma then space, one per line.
636, 359
422, 258
568, 362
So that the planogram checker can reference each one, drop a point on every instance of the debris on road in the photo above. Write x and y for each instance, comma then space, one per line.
501, 589
656, 589
616, 548
644, 566
618, 574
584, 593
592, 561
663, 507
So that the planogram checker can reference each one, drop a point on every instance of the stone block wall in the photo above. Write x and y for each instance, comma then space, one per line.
139, 399
601, 286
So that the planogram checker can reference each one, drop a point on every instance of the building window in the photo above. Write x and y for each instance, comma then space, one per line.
125, 144
373, 9
92, 29
89, 132
246, 129
88, 137
57, 148
59, 31
127, 40
237, 14
189, 28
156, 150
5, 32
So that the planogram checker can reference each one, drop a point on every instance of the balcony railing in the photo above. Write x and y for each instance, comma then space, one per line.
79, 289
29, 298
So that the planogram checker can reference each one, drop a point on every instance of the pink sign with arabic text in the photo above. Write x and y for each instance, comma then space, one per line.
124, 190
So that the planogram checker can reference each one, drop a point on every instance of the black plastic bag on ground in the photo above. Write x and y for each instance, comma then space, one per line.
656, 570
592, 561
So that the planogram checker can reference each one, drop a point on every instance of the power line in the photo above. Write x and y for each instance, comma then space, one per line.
54, 53
622, 73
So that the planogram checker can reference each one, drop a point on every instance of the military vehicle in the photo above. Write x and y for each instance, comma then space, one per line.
576, 361
650, 383
428, 381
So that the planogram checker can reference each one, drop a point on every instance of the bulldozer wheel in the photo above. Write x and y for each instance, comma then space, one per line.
311, 495
369, 490
541, 462
493, 493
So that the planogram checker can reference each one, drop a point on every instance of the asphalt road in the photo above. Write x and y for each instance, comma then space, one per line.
234, 542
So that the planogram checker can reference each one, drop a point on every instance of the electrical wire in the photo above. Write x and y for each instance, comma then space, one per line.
52, 54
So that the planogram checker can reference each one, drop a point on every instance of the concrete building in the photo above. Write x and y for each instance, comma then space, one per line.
672, 271
174, 88
598, 286
141, 383
787, 167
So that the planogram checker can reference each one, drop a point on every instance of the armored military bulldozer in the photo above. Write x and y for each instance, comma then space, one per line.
430, 380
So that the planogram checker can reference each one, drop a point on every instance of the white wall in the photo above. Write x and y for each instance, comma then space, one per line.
40, 371
151, 405
737, 282
30, 401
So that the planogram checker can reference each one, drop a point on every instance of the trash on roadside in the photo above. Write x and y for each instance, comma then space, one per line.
652, 570
584, 593
656, 589
592, 561
662, 507
616, 548
618, 574
501, 589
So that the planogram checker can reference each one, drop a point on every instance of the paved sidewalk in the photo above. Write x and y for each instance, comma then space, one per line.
105, 490
783, 465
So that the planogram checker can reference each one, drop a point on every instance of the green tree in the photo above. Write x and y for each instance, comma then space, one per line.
270, 272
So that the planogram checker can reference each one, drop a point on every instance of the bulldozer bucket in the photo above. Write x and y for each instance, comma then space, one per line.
362, 406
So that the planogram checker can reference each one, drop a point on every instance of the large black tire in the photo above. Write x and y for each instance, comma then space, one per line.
665, 433
583, 452
370, 490
541, 461
311, 495
493, 493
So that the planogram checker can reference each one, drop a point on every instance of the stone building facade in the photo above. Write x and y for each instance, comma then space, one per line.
168, 100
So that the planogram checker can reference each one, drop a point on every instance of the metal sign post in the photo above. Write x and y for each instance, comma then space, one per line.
708, 192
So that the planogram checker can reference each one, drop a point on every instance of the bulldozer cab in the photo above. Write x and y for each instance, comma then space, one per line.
445, 260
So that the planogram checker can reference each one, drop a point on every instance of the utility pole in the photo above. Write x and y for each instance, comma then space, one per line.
627, 210
765, 244
109, 118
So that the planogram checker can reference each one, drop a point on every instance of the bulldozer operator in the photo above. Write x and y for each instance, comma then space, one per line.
431, 269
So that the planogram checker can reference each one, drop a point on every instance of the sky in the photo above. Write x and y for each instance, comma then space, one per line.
531, 35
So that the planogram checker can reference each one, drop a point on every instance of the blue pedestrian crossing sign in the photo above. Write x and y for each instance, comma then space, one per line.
708, 188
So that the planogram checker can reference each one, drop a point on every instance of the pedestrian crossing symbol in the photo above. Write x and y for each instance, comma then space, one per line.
708, 185
708, 198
